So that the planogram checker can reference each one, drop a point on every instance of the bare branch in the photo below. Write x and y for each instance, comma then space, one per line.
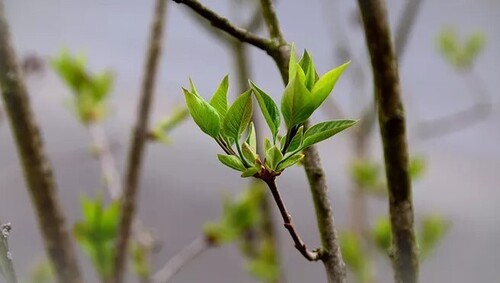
311, 255
225, 25
139, 140
6, 266
36, 167
108, 167
393, 132
186, 255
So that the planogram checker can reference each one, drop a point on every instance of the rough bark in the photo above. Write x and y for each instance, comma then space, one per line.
139, 140
36, 167
404, 252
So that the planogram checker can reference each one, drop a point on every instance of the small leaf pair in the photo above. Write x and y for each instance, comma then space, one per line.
305, 92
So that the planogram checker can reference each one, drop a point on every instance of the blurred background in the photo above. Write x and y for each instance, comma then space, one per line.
452, 111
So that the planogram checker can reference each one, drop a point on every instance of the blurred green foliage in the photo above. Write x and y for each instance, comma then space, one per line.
41, 272
460, 54
90, 92
162, 128
355, 257
97, 231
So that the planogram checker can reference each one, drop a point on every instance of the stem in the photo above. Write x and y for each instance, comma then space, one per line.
108, 167
287, 219
177, 262
271, 20
393, 132
139, 139
6, 266
36, 167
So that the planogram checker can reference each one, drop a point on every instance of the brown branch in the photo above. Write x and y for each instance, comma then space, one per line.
36, 167
6, 266
138, 142
177, 262
279, 50
311, 255
225, 25
393, 132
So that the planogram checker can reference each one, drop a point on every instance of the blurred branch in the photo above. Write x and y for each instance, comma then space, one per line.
6, 266
393, 132
462, 119
108, 167
186, 255
139, 139
37, 170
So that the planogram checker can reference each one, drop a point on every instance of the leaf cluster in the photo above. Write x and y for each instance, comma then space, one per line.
460, 55
90, 91
230, 125
97, 231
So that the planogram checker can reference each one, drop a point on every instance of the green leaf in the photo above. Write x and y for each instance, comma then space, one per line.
204, 115
219, 99
238, 116
273, 157
352, 251
297, 103
251, 171
307, 65
433, 229
382, 234
289, 161
292, 64
417, 167
192, 88
267, 144
249, 153
232, 161
325, 84
269, 109
252, 138
325, 130
297, 140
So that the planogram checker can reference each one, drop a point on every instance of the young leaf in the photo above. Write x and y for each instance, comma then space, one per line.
269, 109
292, 64
325, 84
267, 144
204, 115
232, 161
306, 63
251, 171
219, 99
297, 103
249, 154
238, 116
290, 161
325, 130
192, 88
252, 138
273, 157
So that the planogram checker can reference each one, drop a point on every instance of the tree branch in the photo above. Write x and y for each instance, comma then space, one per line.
109, 171
139, 139
311, 255
186, 255
280, 52
6, 266
225, 25
393, 132
36, 167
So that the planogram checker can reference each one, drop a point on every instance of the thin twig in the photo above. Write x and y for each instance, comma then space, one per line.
139, 140
36, 167
393, 132
186, 255
108, 167
225, 25
6, 266
311, 255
